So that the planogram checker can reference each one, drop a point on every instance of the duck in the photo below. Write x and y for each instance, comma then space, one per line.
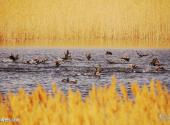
155, 62
69, 81
133, 66
108, 53
13, 57
32, 61
43, 60
37, 60
73, 82
141, 55
65, 80
97, 73
88, 56
57, 64
126, 59
160, 68
98, 70
67, 55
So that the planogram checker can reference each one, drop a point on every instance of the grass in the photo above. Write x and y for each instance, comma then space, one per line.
103, 106
97, 23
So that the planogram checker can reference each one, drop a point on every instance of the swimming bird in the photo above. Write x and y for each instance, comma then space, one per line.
37, 60
13, 57
141, 55
160, 68
98, 70
57, 63
65, 80
108, 53
73, 82
67, 55
88, 56
155, 62
126, 59
133, 66
69, 81
32, 61
43, 60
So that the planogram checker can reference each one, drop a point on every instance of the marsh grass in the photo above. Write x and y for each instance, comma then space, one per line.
85, 23
103, 106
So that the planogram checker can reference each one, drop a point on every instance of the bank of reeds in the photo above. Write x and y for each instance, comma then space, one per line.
85, 23
104, 106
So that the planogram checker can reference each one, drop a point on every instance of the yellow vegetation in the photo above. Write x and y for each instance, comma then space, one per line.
103, 106
85, 23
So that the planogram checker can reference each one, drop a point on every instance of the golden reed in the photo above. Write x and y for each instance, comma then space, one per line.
85, 23
103, 106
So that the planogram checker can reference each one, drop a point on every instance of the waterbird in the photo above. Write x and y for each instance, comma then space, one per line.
43, 60
133, 66
98, 70
69, 81
67, 55
73, 81
58, 62
108, 53
160, 68
88, 56
37, 60
141, 55
32, 61
155, 62
14, 57
126, 59
65, 80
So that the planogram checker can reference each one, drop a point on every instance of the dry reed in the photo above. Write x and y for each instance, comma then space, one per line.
85, 23
103, 106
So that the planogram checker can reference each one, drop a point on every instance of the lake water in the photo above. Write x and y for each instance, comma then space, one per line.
14, 75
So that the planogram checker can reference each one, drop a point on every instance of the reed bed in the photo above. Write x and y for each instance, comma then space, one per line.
85, 23
104, 106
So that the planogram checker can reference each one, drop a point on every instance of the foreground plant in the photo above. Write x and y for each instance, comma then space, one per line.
104, 106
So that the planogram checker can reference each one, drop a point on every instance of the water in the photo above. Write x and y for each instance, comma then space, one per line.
17, 75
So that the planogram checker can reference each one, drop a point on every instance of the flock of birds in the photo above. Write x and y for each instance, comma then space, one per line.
98, 68
155, 62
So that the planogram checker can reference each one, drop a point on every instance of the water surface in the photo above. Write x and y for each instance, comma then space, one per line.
18, 74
